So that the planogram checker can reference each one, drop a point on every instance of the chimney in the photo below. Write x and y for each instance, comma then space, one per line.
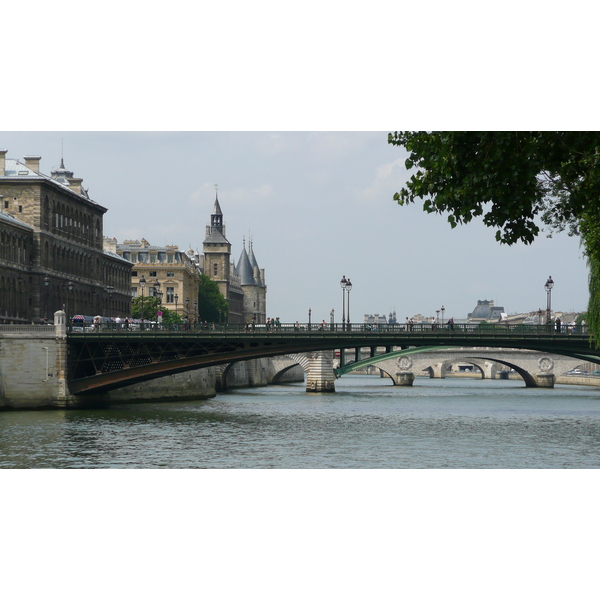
2, 162
75, 184
33, 163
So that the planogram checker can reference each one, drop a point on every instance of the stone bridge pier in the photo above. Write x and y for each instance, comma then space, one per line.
318, 367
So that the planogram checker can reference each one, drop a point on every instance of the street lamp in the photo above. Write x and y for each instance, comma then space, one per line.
69, 287
176, 298
142, 285
46, 286
442, 309
549, 285
343, 284
109, 290
187, 307
196, 310
349, 289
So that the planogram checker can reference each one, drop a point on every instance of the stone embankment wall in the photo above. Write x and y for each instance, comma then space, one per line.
33, 375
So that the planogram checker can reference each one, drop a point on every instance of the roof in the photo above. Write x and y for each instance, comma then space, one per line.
217, 208
215, 237
245, 270
12, 221
15, 169
254, 264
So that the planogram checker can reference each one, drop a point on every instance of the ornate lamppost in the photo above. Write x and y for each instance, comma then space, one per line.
349, 289
159, 294
176, 297
442, 309
548, 286
142, 285
46, 286
110, 290
343, 284
70, 287
187, 307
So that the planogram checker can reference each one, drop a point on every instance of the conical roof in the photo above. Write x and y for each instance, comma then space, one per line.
245, 270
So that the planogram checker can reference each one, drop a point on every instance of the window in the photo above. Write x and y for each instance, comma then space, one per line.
170, 258
20, 208
134, 292
170, 273
153, 258
6, 204
215, 269
152, 274
134, 273
170, 295
133, 258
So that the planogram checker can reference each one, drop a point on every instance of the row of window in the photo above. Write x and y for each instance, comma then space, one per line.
15, 247
169, 294
153, 257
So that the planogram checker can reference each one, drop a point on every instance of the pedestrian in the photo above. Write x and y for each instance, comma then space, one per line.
450, 326
557, 324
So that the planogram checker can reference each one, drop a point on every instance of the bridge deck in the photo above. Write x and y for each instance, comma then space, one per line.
115, 356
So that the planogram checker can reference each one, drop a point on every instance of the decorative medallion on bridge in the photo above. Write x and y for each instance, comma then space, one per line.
546, 364
404, 363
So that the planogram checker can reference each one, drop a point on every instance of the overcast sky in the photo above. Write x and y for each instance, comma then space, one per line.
317, 206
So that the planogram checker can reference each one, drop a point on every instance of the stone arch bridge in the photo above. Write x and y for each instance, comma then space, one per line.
538, 369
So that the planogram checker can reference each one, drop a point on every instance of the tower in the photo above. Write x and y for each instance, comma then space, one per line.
217, 250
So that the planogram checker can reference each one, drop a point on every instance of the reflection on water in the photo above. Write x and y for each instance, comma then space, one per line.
367, 423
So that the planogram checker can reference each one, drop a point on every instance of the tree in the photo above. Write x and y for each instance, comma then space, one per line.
152, 306
212, 305
510, 179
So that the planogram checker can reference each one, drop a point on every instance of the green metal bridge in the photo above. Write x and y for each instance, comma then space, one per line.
113, 355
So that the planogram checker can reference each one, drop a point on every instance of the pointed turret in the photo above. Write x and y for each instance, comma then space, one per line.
245, 269
216, 217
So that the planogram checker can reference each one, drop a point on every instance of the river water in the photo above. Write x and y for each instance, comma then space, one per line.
366, 424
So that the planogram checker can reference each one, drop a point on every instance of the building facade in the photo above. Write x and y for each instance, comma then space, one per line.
164, 270
52, 254
243, 286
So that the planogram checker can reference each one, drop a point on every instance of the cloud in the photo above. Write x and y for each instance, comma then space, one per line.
388, 179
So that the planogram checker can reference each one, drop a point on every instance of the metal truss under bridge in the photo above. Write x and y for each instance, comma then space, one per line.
113, 356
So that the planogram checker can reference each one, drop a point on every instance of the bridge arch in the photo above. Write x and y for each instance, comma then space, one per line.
99, 361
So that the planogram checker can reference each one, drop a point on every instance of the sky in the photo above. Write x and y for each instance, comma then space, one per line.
317, 206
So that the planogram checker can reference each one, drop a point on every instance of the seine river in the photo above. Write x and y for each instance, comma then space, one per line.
366, 424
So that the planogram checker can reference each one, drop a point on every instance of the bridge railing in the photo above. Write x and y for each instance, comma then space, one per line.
494, 329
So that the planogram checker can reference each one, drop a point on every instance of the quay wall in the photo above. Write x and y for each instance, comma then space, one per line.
33, 374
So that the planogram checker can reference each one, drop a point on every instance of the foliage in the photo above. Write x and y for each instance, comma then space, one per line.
510, 179
515, 176
152, 305
212, 305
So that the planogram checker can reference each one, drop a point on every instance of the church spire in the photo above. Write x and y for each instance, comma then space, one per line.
216, 218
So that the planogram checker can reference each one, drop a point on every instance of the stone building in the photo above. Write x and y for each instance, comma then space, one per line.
485, 311
174, 273
162, 269
52, 247
243, 285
